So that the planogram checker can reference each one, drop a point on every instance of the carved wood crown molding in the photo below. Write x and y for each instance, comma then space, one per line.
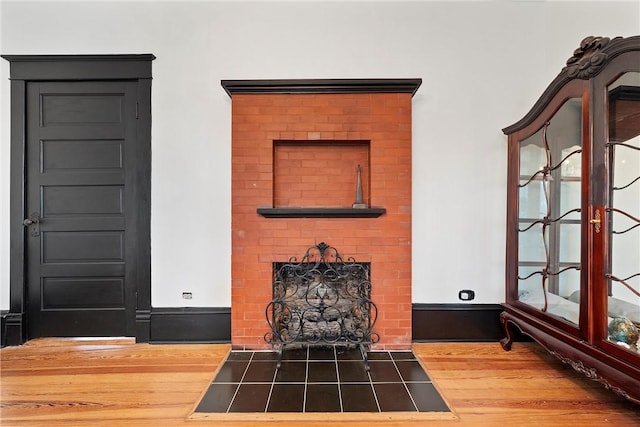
326, 86
593, 54
588, 58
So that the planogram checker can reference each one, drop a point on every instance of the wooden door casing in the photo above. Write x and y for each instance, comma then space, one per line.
26, 72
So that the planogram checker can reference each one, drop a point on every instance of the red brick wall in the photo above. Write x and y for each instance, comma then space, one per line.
319, 173
260, 122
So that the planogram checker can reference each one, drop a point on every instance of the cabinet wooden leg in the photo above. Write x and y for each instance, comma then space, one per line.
508, 339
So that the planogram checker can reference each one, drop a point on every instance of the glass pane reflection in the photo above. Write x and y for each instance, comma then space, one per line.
549, 214
623, 305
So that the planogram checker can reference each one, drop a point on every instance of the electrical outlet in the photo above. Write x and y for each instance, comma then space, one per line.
466, 295
187, 295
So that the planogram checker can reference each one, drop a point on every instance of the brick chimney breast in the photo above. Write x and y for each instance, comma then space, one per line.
296, 145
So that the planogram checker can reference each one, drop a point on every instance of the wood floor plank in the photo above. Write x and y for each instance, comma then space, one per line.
119, 383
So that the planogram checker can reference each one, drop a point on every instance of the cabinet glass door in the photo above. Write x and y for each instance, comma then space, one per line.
549, 222
623, 212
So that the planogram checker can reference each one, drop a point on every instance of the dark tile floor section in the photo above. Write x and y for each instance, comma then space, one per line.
321, 380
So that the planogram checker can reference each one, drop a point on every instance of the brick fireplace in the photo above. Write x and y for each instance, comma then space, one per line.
296, 148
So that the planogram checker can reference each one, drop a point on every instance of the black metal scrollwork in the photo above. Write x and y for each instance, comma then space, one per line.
321, 300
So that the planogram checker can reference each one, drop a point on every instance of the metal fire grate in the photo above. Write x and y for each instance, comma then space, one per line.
321, 300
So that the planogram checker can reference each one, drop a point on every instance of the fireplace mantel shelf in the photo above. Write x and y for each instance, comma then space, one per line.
321, 212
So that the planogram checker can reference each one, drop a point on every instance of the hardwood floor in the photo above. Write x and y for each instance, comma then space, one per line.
118, 383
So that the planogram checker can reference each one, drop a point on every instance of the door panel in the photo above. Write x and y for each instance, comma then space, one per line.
81, 293
81, 109
89, 199
93, 155
82, 246
81, 191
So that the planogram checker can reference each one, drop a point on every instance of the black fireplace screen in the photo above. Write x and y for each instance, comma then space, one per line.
321, 300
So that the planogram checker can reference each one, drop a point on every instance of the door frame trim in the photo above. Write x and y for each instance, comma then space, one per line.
32, 68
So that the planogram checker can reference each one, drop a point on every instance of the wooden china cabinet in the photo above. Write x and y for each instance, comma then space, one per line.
573, 216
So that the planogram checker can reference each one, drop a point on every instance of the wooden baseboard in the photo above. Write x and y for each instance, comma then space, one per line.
190, 325
431, 322
456, 322
13, 328
3, 328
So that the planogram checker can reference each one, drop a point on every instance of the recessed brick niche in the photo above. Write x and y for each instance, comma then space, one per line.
296, 145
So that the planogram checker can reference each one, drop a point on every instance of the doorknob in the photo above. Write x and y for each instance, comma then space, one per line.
34, 219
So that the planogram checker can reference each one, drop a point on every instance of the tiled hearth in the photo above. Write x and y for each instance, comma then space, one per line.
296, 146
327, 379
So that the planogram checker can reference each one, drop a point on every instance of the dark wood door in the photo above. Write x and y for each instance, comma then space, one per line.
81, 208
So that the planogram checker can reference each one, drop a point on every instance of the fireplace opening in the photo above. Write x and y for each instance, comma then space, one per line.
321, 300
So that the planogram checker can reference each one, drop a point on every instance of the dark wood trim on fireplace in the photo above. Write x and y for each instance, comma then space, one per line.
321, 212
233, 87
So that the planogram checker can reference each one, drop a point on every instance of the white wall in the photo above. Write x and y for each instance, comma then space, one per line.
483, 65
